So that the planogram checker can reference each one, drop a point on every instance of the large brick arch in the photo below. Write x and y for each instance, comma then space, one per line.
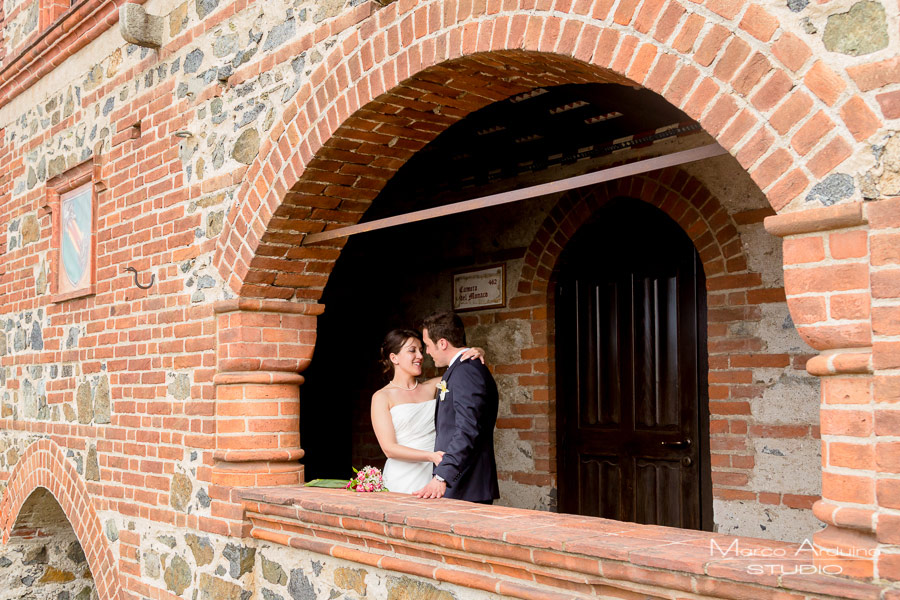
413, 69
44, 465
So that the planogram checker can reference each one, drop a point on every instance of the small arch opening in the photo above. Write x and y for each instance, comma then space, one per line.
43, 558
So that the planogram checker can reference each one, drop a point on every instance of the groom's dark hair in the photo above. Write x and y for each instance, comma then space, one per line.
446, 325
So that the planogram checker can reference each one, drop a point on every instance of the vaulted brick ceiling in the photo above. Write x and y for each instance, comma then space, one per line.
528, 133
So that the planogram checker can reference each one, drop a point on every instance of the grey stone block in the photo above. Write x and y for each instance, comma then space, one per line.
138, 27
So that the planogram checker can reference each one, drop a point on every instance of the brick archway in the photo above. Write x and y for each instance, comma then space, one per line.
44, 465
673, 191
402, 76
731, 297
413, 69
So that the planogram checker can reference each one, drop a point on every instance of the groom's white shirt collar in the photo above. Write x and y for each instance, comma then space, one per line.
458, 354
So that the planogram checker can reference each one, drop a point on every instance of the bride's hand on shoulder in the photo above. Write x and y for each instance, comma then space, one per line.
437, 457
473, 353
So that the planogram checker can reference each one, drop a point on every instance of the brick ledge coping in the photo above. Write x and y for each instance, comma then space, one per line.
532, 554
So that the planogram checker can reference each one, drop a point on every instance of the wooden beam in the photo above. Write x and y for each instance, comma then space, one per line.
562, 185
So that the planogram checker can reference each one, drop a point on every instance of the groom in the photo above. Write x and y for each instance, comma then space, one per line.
464, 418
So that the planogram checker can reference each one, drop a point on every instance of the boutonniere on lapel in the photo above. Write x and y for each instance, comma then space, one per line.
442, 386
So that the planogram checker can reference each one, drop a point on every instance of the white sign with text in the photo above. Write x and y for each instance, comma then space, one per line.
479, 288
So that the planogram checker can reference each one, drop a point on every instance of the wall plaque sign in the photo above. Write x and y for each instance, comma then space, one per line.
476, 289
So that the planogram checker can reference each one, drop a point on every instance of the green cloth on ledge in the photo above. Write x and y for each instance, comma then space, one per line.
327, 483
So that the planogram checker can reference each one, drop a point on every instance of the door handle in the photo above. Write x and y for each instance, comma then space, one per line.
682, 444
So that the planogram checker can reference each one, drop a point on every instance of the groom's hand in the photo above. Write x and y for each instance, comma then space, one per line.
434, 489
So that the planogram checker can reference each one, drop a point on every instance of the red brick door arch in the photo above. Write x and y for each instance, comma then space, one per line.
44, 465
629, 324
730, 285
684, 198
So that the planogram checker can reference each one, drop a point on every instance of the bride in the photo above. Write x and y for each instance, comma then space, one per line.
403, 413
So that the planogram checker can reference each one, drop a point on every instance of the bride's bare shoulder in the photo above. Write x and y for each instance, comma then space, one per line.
381, 397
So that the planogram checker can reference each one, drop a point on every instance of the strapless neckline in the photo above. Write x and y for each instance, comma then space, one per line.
412, 404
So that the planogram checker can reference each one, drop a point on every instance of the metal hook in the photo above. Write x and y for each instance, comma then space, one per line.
138, 283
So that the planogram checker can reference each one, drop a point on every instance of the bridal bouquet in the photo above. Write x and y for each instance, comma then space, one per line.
368, 479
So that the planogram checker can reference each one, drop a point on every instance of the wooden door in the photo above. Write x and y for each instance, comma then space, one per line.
631, 371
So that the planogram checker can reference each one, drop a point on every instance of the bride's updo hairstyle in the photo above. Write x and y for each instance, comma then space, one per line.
393, 342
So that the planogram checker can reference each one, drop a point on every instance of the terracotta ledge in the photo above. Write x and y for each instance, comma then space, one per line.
855, 361
839, 216
290, 455
537, 555
275, 306
259, 377
861, 519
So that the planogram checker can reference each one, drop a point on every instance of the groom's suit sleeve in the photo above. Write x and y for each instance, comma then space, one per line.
469, 404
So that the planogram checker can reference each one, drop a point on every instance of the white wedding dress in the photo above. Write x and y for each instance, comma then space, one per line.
413, 428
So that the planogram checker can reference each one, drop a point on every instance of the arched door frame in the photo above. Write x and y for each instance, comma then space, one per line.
570, 268
679, 195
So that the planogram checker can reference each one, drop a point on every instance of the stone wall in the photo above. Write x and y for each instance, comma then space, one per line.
184, 563
208, 567
290, 574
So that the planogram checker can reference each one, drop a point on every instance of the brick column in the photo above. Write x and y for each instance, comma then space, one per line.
263, 346
884, 261
827, 283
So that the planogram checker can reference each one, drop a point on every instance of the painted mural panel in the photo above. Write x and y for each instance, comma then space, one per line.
76, 248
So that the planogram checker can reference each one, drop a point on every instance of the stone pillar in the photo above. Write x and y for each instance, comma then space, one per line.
263, 346
826, 280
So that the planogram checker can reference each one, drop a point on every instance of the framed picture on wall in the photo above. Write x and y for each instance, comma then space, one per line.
72, 201
76, 254
477, 289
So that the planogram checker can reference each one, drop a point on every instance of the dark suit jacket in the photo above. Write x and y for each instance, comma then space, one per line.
465, 422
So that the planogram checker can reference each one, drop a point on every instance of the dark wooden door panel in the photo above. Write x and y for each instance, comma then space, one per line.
657, 405
628, 337
597, 388
654, 501
600, 487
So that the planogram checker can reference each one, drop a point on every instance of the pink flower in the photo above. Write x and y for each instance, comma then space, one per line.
368, 479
